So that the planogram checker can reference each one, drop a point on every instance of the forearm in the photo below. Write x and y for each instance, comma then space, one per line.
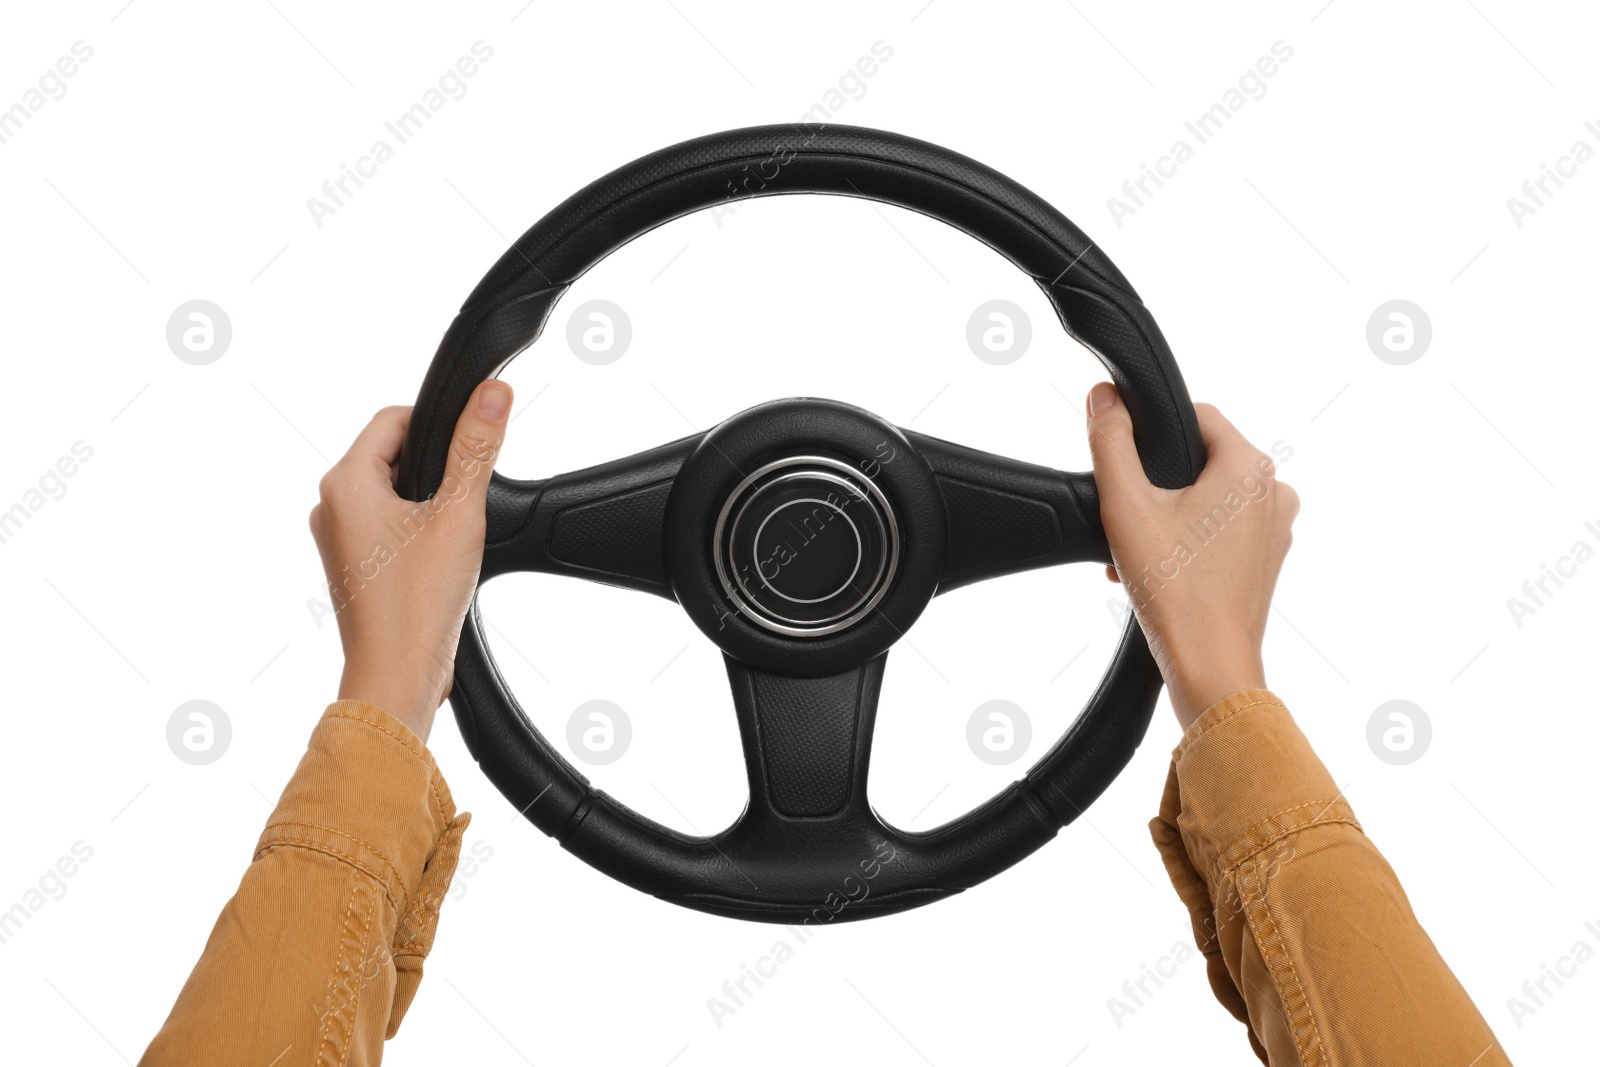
322, 945
1308, 934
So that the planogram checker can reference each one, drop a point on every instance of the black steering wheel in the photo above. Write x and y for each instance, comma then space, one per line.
804, 537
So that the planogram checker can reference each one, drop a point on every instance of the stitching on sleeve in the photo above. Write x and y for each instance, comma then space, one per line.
292, 823
1303, 1026
336, 1014
1267, 831
389, 875
401, 741
313, 845
355, 1001
1327, 805
423, 920
1186, 743
438, 800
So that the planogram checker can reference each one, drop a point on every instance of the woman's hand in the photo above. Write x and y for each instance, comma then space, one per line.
1199, 563
401, 574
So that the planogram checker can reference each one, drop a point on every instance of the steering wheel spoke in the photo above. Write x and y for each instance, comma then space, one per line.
806, 743
1007, 516
603, 523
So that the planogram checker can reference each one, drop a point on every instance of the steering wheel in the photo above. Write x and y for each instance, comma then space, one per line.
803, 537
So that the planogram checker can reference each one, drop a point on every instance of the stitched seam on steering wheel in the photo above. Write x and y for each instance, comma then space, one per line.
1188, 452
1031, 797
526, 522
574, 820
431, 418
1077, 506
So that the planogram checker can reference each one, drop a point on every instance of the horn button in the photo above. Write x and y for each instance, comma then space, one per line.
806, 545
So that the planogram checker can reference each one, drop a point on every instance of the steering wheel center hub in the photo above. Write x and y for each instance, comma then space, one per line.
807, 545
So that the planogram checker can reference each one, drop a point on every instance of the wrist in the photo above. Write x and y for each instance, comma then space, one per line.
408, 702
1194, 691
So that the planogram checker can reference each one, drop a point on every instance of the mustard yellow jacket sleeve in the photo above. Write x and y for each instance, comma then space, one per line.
1308, 938
316, 958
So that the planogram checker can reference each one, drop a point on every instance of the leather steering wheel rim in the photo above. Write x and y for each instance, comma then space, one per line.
790, 858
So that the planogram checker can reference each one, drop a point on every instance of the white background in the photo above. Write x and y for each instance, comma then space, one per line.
177, 565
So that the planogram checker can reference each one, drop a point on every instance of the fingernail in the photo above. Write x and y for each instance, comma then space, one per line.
1101, 397
494, 400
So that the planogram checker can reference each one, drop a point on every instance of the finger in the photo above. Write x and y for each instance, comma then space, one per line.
1220, 436
476, 445
377, 447
1116, 457
1112, 576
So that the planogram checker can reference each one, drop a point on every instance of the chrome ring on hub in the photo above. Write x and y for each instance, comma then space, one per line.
869, 578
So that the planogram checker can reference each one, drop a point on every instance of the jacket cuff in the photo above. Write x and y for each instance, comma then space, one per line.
368, 793
1246, 778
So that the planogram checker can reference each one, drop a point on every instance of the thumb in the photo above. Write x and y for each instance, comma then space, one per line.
479, 434
1117, 468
